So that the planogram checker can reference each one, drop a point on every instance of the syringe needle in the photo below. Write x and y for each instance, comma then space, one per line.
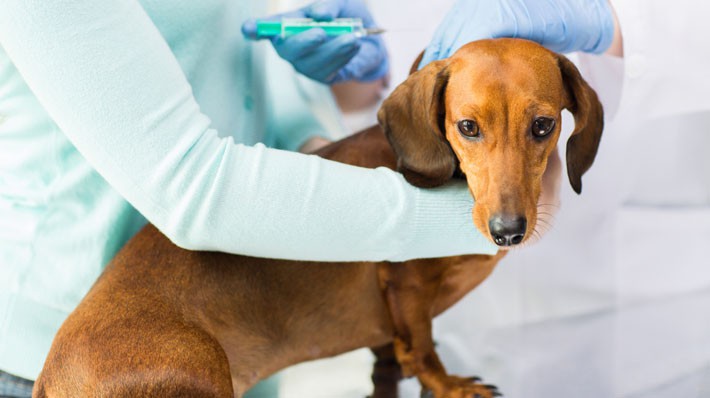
374, 31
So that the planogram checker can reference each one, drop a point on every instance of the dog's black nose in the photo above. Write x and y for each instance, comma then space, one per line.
506, 230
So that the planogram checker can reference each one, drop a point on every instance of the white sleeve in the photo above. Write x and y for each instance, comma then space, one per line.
666, 55
108, 79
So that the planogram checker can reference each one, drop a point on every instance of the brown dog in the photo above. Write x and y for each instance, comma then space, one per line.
162, 321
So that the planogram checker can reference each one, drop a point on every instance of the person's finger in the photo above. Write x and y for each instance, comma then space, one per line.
335, 76
324, 10
338, 49
297, 46
350, 73
369, 64
324, 63
457, 34
327, 10
249, 29
314, 67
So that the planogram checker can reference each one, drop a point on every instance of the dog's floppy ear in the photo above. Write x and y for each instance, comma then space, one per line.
413, 120
588, 114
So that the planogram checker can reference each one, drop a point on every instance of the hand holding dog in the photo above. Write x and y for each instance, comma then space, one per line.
560, 25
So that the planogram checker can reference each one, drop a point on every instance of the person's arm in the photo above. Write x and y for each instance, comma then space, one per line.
108, 79
617, 42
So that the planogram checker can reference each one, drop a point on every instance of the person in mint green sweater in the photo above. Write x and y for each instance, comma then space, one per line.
117, 112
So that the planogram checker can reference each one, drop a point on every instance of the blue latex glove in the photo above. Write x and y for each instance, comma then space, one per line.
560, 25
330, 59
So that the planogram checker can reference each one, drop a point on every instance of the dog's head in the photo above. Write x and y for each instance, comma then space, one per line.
493, 112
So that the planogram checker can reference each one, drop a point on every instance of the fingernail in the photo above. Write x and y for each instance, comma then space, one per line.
249, 29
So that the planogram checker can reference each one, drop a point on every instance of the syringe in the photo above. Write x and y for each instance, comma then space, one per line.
291, 26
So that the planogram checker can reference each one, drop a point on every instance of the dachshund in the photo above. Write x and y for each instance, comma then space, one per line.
163, 321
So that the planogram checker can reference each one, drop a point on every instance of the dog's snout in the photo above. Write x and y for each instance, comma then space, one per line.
507, 230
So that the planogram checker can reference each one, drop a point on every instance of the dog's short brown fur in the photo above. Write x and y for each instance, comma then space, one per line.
162, 321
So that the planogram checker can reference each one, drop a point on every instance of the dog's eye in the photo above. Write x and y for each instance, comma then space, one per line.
468, 128
542, 126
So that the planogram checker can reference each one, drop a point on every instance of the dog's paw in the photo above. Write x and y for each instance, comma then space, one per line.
458, 387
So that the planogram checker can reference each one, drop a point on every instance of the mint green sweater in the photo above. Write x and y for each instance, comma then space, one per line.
113, 110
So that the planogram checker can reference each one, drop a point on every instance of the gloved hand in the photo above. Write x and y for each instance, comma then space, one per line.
330, 59
560, 25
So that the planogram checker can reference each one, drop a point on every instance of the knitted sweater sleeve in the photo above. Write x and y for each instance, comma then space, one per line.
106, 76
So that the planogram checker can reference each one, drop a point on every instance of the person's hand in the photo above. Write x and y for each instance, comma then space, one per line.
560, 25
330, 59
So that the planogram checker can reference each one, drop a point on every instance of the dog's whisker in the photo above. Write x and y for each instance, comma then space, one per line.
536, 234
545, 222
546, 216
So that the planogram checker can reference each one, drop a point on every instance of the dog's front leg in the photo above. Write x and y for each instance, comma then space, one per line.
410, 290
386, 373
